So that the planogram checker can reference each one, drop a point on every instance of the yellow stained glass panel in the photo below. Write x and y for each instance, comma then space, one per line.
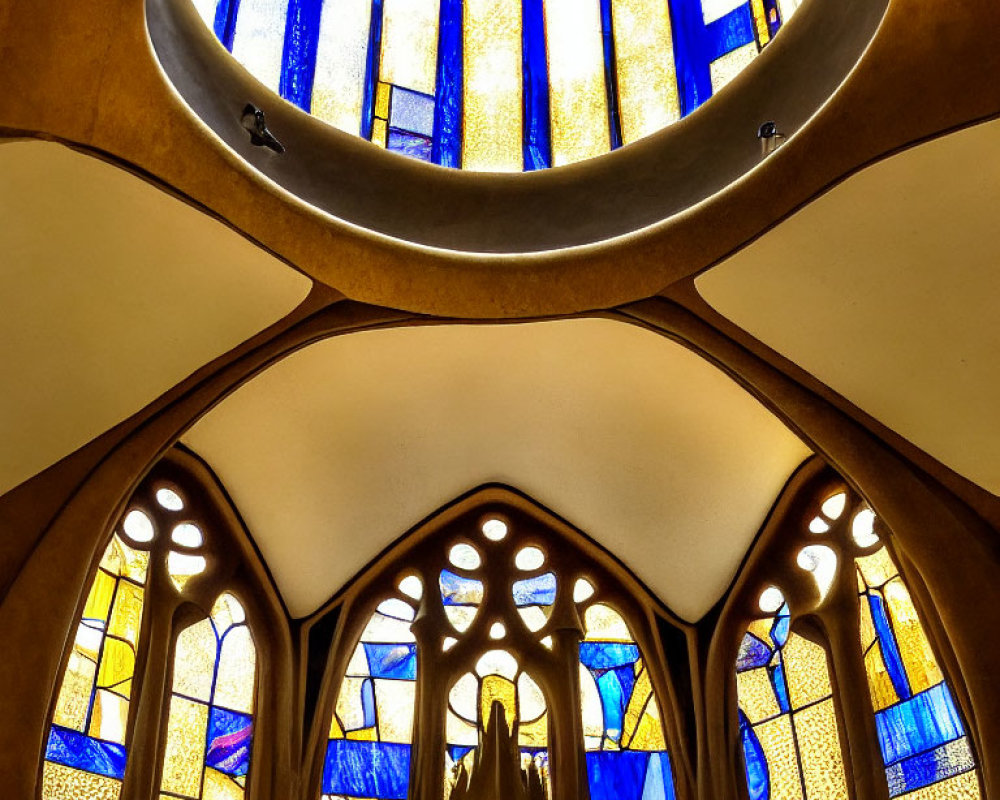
960, 787
99, 598
866, 624
217, 786
336, 732
921, 666
760, 21
66, 783
382, 92
649, 733
184, 752
194, 661
234, 685
379, 132
409, 43
349, 708
492, 86
109, 719
642, 693
877, 568
724, 69
460, 732
779, 749
341, 61
883, 692
806, 671
117, 663
497, 687
126, 617
578, 101
534, 734
761, 628
74, 694
363, 735
647, 84
756, 696
820, 752
394, 702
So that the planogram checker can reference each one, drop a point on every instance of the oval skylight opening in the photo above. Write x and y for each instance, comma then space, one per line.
771, 599
582, 590
818, 525
497, 662
138, 527
834, 505
863, 528
169, 499
497, 630
464, 556
529, 558
494, 529
412, 587
186, 535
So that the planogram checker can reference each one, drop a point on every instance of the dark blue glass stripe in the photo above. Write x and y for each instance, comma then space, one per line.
409, 144
924, 769
537, 144
611, 75
537, 591
727, 33
773, 14
372, 64
367, 769
890, 647
230, 737
225, 21
398, 661
758, 780
447, 139
630, 775
298, 62
606, 655
921, 723
74, 749
777, 674
782, 623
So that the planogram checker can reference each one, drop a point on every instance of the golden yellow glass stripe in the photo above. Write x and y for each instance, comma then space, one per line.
756, 696
820, 752
220, 787
647, 82
184, 751
379, 132
879, 682
577, 99
806, 671
877, 568
491, 91
409, 44
66, 783
779, 749
341, 58
760, 21
921, 666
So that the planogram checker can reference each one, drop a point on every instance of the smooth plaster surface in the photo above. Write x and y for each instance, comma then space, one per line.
332, 453
111, 292
887, 290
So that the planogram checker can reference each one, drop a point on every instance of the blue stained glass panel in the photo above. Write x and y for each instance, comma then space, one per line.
537, 147
230, 736
368, 702
392, 660
629, 775
779, 630
758, 780
447, 149
367, 769
457, 752
409, 144
225, 22
537, 591
921, 723
412, 111
753, 653
777, 674
936, 765
298, 64
890, 648
606, 655
610, 75
371, 70
459, 591
613, 698
74, 749
727, 33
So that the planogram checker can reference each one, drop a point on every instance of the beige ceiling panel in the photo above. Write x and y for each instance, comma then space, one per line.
337, 450
887, 289
111, 292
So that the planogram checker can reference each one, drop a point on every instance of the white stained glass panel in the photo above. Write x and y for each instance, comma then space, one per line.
206, 10
409, 44
259, 39
577, 100
712, 10
492, 86
341, 58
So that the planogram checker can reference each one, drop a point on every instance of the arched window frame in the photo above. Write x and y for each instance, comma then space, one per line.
418, 552
232, 566
799, 520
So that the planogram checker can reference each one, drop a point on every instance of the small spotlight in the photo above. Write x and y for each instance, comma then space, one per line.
770, 139
255, 124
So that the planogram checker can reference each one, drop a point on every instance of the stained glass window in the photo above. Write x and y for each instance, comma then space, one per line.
498, 85
210, 723
787, 720
368, 753
627, 757
86, 751
924, 744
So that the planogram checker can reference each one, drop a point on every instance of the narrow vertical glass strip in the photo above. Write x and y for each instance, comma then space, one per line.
372, 66
301, 41
259, 39
225, 22
447, 146
537, 140
579, 105
644, 52
342, 55
409, 44
492, 86
694, 81
611, 75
